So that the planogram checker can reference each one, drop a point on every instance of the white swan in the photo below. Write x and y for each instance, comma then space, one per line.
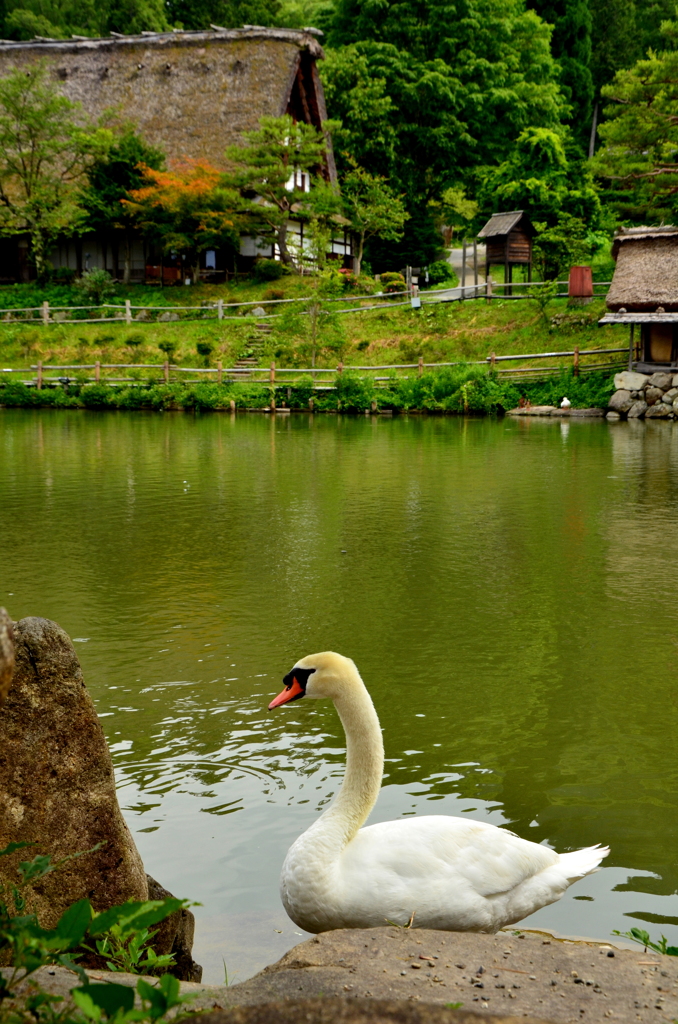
450, 873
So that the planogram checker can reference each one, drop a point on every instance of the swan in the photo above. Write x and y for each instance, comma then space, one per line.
565, 404
433, 871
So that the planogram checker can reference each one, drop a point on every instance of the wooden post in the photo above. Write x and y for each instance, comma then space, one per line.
493, 362
463, 269
219, 372
421, 365
166, 370
488, 287
97, 371
340, 368
45, 312
475, 265
575, 363
506, 263
128, 311
311, 403
39, 376
373, 406
272, 378
220, 309
232, 404
631, 347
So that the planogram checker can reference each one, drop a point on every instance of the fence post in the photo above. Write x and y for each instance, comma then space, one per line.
373, 406
311, 403
488, 287
232, 404
340, 368
421, 365
576, 361
166, 369
39, 375
97, 371
128, 311
493, 361
220, 309
272, 379
219, 372
45, 312
463, 269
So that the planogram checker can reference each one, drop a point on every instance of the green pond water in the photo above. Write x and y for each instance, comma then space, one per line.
507, 588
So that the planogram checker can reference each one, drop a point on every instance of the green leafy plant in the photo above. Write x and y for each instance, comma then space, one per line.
269, 270
643, 938
96, 285
169, 348
205, 349
121, 933
440, 272
392, 282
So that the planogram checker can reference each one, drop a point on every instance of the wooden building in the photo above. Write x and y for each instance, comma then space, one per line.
192, 94
508, 242
644, 295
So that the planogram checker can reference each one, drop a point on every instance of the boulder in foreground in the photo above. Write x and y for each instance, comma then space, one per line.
57, 788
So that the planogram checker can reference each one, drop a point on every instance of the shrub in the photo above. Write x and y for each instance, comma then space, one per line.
269, 270
96, 285
392, 282
440, 272
169, 348
134, 339
205, 349
271, 294
351, 280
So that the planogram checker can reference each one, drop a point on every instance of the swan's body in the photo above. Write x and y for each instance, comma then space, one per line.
565, 404
450, 873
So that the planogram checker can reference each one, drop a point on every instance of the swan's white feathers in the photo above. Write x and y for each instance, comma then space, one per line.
452, 873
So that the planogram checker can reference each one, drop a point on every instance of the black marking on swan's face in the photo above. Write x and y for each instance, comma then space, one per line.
302, 676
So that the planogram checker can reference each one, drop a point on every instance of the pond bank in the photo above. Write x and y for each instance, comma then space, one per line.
459, 389
511, 974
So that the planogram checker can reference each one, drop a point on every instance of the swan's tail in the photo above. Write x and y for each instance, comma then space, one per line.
582, 862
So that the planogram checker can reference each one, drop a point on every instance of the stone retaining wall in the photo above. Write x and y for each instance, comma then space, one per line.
644, 396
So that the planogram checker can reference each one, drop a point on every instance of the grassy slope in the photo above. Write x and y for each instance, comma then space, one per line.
447, 332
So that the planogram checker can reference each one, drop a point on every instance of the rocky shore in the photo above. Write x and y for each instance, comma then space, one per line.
513, 974
644, 396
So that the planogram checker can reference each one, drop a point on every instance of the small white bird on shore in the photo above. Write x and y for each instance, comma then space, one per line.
565, 404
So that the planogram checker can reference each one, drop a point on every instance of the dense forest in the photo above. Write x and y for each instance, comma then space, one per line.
565, 108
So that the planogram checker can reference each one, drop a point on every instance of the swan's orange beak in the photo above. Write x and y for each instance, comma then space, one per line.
291, 692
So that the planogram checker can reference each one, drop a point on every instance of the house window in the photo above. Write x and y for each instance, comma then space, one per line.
210, 260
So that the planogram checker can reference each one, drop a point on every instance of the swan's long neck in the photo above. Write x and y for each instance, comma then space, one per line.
364, 768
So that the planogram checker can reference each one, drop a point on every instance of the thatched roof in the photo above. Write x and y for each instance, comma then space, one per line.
646, 275
192, 93
501, 224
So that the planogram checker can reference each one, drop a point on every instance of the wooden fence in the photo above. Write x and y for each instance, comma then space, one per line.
129, 314
582, 361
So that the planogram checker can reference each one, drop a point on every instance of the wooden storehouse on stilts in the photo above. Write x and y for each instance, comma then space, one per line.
508, 241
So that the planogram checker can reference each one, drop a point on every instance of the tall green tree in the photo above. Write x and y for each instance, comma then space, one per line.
60, 19
427, 91
45, 150
539, 178
197, 14
637, 161
110, 179
571, 46
373, 209
269, 166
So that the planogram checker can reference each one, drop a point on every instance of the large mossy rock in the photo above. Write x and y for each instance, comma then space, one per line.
57, 787
6, 654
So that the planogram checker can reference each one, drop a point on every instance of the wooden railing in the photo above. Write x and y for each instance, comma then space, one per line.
50, 374
129, 314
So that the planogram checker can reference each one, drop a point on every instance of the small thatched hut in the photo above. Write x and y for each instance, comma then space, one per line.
644, 294
508, 241
191, 93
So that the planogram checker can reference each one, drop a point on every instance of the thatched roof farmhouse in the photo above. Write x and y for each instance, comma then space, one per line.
191, 93
644, 294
